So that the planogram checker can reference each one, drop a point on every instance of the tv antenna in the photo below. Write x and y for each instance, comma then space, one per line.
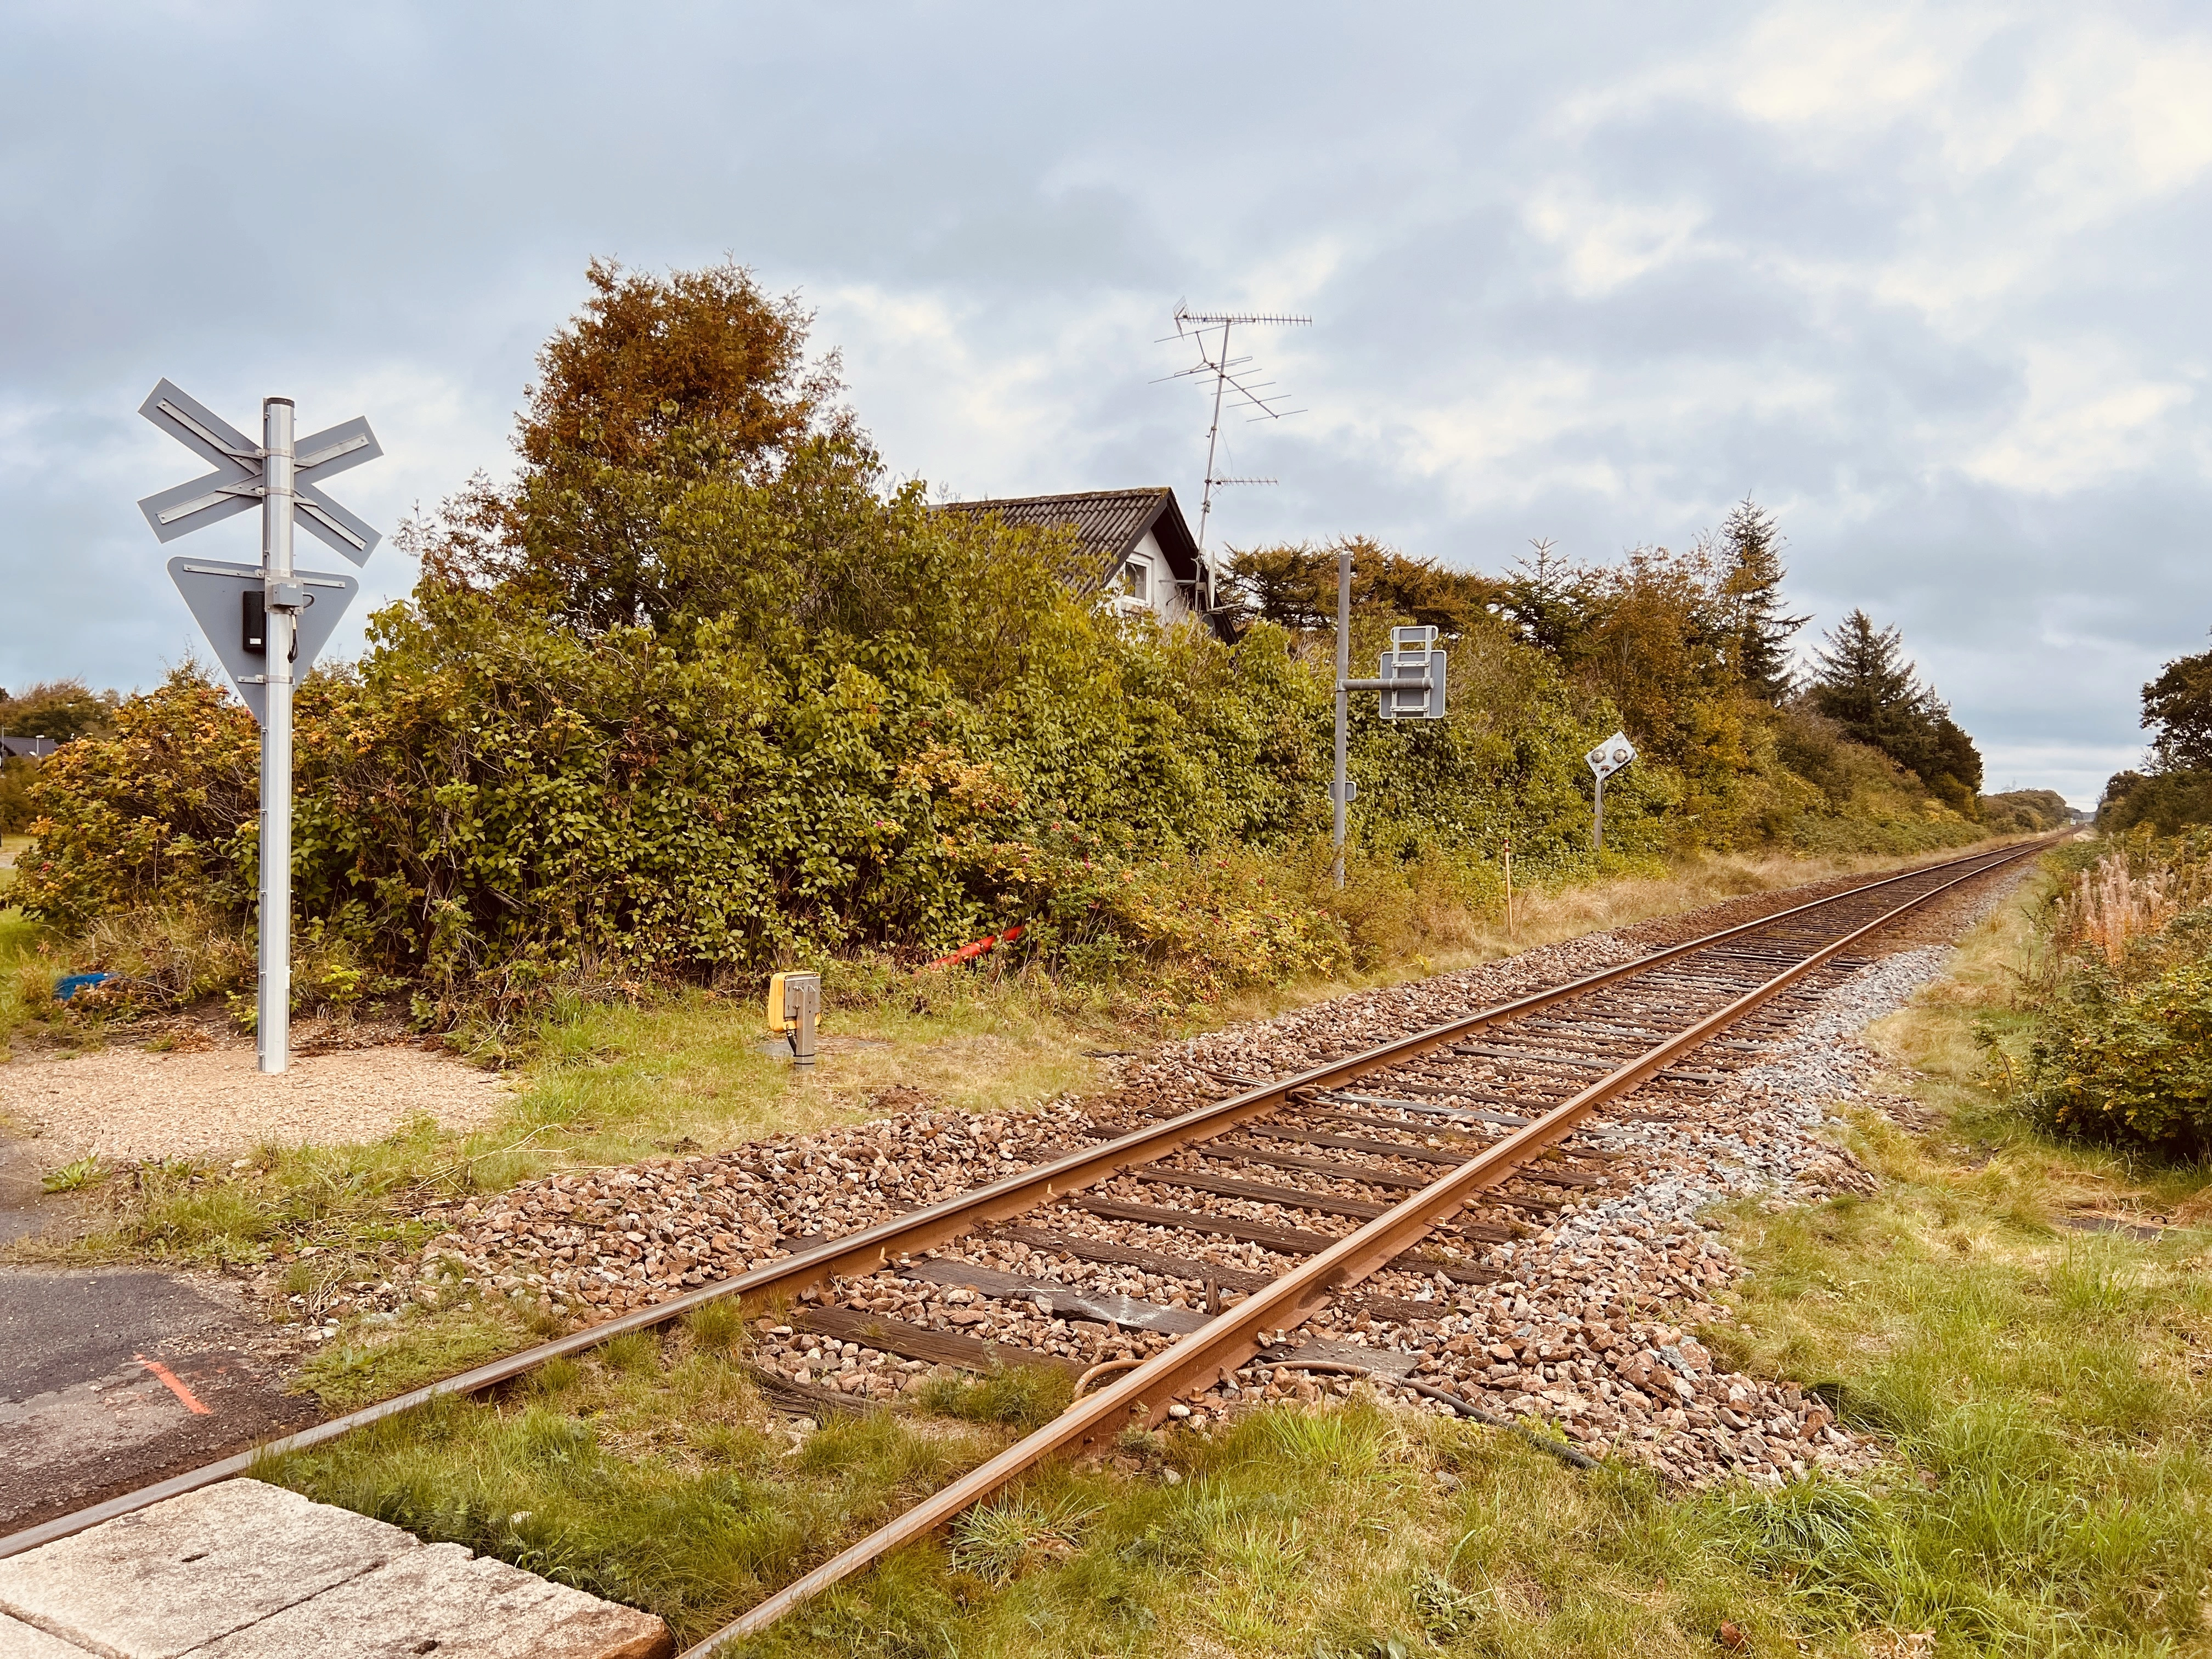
1230, 374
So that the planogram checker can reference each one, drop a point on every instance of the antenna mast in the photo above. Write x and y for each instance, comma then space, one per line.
1196, 325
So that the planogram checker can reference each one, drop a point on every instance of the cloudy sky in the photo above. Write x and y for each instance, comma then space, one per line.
1931, 283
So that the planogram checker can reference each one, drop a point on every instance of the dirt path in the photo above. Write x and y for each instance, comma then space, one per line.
129, 1103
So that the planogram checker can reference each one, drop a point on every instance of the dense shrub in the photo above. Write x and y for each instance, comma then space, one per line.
2131, 1060
2124, 1046
2166, 802
2025, 812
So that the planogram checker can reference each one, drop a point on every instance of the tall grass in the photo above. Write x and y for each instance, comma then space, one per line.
646, 1472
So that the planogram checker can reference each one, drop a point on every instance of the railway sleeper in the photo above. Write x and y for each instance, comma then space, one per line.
1260, 1192
1447, 1133
1289, 1241
1169, 1266
1430, 1108
1061, 1301
1356, 1143
912, 1341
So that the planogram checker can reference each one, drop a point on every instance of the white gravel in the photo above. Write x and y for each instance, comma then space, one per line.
128, 1103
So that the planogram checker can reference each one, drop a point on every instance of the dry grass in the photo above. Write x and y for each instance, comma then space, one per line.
1549, 916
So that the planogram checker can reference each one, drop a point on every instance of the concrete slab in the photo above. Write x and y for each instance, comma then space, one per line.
438, 1601
177, 1576
21, 1641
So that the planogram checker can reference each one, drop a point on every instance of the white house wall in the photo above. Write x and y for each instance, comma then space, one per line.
1169, 600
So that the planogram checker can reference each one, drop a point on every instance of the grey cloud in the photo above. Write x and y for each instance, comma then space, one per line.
1022, 174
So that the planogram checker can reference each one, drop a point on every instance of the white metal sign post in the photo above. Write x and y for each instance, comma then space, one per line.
1410, 677
266, 622
1609, 758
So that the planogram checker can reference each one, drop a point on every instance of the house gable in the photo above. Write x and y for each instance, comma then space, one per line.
1135, 541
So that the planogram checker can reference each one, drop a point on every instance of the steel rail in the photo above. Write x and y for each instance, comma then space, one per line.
1218, 1348
872, 1248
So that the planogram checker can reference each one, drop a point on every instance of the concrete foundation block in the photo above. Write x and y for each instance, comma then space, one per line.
183, 1573
438, 1602
21, 1641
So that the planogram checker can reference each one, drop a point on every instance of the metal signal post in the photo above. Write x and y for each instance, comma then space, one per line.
266, 622
1609, 758
1410, 677
272, 1027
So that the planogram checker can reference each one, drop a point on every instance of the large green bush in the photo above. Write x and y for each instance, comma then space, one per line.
2131, 1060
488, 798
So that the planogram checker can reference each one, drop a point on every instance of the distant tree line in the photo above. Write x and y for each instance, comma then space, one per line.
59, 709
1695, 648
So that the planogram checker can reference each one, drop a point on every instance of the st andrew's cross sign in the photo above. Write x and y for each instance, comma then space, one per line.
266, 621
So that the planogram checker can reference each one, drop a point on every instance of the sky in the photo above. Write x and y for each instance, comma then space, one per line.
1926, 282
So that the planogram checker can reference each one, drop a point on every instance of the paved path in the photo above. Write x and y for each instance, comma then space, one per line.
248, 1571
113, 1378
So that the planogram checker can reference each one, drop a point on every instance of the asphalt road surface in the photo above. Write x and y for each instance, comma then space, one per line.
111, 1378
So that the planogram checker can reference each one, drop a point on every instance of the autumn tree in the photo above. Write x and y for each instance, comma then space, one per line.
659, 384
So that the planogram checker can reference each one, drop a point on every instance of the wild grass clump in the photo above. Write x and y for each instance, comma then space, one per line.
646, 1472
1019, 1396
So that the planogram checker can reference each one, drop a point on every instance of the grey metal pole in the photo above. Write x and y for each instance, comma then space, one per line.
1597, 821
1343, 699
1212, 436
273, 1021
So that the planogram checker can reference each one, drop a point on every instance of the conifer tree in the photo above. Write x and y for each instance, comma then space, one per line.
1751, 543
1864, 682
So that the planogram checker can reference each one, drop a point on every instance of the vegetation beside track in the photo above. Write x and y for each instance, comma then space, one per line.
2043, 1388
704, 691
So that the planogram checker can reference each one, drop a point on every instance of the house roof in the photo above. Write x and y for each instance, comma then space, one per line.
1107, 525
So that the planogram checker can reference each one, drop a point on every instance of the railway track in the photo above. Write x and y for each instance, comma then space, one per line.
1193, 1247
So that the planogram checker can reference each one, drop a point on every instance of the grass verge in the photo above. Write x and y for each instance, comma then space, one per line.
646, 1471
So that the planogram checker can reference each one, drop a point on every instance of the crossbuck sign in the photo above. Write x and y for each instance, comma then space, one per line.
267, 622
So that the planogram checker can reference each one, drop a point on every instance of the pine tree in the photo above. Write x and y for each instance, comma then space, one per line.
1865, 683
1862, 681
1751, 543
1547, 601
